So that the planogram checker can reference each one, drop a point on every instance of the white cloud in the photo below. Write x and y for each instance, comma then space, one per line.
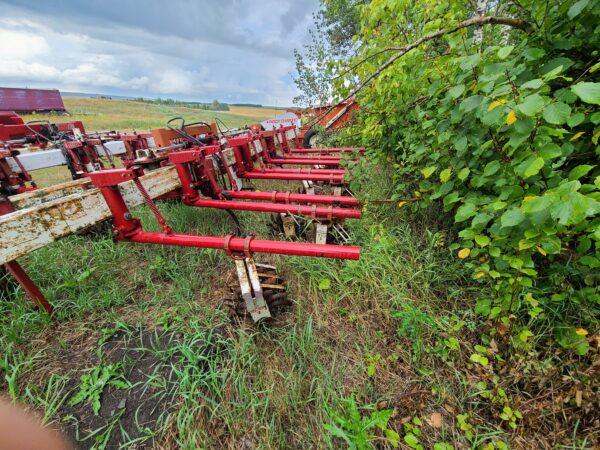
21, 45
201, 50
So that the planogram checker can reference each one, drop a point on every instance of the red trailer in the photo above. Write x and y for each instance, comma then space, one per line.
328, 116
26, 101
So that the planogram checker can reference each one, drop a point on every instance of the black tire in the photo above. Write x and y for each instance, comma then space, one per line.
306, 140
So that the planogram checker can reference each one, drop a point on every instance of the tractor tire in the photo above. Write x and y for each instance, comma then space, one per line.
309, 138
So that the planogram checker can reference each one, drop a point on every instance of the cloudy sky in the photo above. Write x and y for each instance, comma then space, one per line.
230, 50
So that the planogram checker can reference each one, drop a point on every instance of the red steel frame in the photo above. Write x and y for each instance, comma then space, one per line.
245, 167
196, 172
271, 156
299, 152
85, 158
127, 228
14, 131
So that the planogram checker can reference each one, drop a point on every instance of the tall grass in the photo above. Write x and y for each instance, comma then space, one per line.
265, 387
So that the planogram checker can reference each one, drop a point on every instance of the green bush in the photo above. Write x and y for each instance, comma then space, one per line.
501, 127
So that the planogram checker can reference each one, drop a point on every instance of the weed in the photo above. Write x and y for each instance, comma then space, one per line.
358, 430
94, 382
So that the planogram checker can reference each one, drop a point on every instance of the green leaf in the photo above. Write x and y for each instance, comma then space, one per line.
533, 84
483, 306
576, 119
555, 66
411, 440
442, 446
568, 338
576, 9
482, 240
491, 168
461, 144
550, 151
463, 174
530, 167
480, 220
532, 105
456, 91
512, 217
470, 103
324, 284
557, 113
445, 175
588, 92
574, 208
465, 211
505, 51
534, 53
577, 172
428, 171
392, 437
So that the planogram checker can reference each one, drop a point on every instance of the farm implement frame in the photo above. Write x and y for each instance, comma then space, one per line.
197, 164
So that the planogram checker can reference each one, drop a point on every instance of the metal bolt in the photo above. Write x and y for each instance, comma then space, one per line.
127, 216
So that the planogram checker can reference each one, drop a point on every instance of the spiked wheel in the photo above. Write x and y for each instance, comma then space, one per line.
274, 293
235, 303
274, 290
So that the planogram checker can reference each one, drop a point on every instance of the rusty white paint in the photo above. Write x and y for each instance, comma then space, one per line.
26, 230
43, 195
258, 145
54, 157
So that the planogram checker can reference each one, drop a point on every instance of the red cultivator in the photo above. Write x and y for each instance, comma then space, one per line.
127, 228
212, 170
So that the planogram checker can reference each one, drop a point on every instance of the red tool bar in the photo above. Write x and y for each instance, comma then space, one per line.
306, 161
333, 178
242, 245
321, 212
288, 197
326, 150
326, 157
28, 285
308, 171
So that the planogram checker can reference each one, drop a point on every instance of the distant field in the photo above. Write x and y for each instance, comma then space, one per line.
253, 111
127, 115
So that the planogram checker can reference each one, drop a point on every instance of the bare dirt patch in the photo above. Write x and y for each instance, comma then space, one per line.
126, 416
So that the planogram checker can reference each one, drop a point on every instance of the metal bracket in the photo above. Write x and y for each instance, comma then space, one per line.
308, 187
252, 292
321, 234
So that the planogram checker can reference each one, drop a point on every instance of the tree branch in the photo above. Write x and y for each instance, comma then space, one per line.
401, 51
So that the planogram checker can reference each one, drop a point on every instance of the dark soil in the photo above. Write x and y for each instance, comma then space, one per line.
127, 416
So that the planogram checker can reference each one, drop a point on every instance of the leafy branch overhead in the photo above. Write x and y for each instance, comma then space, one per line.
403, 50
